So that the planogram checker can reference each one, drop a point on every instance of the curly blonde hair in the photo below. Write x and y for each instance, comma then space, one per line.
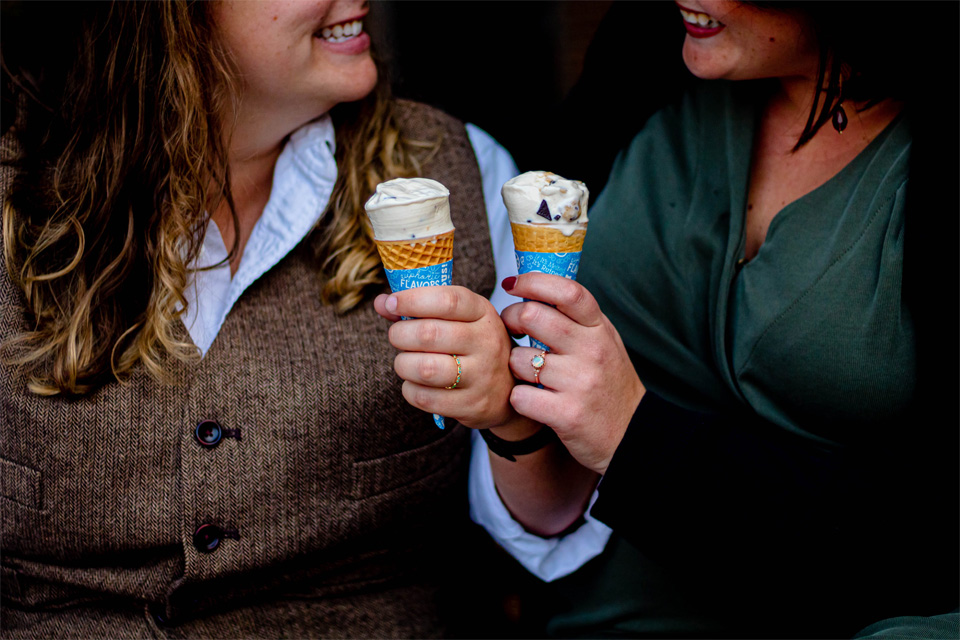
110, 202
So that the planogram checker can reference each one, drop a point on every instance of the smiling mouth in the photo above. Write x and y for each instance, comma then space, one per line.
699, 19
342, 32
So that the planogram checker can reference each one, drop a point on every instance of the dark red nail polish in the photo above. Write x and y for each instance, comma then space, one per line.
509, 283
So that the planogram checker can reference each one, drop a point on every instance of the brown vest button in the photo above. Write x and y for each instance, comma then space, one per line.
209, 433
207, 538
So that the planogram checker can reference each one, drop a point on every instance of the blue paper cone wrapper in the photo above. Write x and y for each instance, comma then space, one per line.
557, 264
434, 275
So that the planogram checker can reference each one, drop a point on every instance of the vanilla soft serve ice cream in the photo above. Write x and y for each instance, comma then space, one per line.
409, 209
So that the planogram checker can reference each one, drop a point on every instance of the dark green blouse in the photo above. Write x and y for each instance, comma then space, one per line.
812, 334
760, 483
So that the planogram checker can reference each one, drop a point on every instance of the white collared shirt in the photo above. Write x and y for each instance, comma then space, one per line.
303, 181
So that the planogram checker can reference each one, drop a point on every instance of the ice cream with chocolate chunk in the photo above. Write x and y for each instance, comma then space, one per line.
548, 213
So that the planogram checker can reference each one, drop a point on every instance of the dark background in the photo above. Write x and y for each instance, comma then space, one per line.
521, 71
500, 65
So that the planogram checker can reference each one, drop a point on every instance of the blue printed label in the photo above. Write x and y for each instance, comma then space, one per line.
536, 344
403, 279
436, 275
558, 264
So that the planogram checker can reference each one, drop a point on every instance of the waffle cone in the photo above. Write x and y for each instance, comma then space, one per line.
413, 254
540, 238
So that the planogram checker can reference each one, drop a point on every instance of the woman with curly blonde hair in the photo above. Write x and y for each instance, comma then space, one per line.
202, 431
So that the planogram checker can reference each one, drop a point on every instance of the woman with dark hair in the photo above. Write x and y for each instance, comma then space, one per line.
751, 363
202, 435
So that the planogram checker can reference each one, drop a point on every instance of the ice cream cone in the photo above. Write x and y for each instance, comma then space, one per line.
548, 217
413, 254
540, 238
414, 235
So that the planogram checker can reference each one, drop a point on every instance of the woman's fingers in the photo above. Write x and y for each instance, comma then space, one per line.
554, 369
474, 407
546, 324
380, 307
540, 405
447, 321
446, 302
435, 370
570, 298
434, 336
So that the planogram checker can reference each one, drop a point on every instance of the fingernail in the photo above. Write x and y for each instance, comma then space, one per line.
391, 304
509, 283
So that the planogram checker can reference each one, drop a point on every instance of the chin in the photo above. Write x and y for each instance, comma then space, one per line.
362, 84
701, 63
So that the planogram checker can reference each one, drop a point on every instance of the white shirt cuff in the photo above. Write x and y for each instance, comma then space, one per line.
546, 558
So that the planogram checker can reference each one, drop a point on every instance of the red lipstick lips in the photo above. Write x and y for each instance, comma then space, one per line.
697, 30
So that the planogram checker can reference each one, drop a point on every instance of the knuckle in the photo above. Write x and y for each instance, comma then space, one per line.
595, 352
427, 368
482, 404
568, 293
529, 314
417, 396
449, 301
575, 295
590, 379
427, 332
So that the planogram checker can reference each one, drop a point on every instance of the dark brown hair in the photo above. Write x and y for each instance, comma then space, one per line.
868, 52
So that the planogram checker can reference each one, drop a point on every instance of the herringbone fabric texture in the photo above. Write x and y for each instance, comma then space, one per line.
343, 498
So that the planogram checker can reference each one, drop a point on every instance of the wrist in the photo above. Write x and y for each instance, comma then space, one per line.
510, 449
520, 428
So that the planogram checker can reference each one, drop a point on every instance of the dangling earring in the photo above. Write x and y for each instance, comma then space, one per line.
839, 116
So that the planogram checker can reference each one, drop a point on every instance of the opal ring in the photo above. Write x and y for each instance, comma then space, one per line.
459, 372
537, 363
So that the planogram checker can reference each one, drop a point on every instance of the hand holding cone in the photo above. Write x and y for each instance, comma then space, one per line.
548, 217
414, 235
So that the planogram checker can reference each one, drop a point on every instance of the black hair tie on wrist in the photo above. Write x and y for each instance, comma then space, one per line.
509, 449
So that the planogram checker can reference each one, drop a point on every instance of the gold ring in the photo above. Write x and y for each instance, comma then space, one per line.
537, 363
459, 372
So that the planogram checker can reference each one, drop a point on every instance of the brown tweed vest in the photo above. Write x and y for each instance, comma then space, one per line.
331, 498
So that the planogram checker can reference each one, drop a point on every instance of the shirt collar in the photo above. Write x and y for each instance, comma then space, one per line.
303, 181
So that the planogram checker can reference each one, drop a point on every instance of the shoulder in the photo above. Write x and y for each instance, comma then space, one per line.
417, 117
443, 139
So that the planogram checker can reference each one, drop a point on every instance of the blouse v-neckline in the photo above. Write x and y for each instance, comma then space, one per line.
743, 135
745, 110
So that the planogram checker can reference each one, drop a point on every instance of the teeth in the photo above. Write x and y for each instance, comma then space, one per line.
699, 19
342, 32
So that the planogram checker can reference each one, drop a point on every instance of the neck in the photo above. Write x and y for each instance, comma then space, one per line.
252, 160
257, 137
790, 108
792, 103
